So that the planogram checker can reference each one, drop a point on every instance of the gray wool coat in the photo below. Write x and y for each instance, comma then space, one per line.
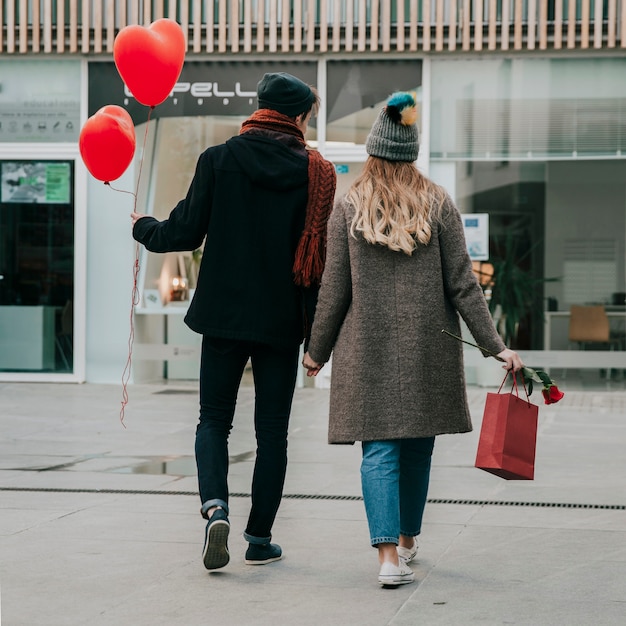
395, 375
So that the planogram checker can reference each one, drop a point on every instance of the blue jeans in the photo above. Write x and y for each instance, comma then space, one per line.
394, 479
274, 371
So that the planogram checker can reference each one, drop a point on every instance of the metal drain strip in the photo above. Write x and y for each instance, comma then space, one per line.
303, 496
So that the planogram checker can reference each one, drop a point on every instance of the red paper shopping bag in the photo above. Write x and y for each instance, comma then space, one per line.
508, 436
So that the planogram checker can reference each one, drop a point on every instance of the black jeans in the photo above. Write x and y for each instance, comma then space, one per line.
274, 371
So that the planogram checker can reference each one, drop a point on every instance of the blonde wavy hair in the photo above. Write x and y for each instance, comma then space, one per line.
395, 205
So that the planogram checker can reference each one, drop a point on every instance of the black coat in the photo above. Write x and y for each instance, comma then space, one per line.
248, 198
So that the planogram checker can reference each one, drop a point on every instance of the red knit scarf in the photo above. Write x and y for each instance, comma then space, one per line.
311, 251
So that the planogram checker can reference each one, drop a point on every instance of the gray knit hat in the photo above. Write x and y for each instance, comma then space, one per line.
394, 134
284, 93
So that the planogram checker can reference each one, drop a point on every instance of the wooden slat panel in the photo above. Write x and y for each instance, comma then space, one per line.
97, 27
73, 25
374, 24
133, 12
493, 25
85, 26
2, 29
400, 38
196, 27
60, 29
571, 24
611, 30
413, 18
247, 26
222, 26
159, 11
478, 25
323, 19
147, 12
558, 24
452, 29
273, 26
286, 26
623, 24
597, 24
362, 25
23, 26
467, 21
349, 36
122, 17
184, 22
517, 26
47, 26
10, 26
297, 25
612, 24
337, 27
506, 25
110, 25
233, 24
543, 24
584, 23
209, 18
36, 37
172, 10
426, 25
531, 22
260, 26
385, 23
439, 23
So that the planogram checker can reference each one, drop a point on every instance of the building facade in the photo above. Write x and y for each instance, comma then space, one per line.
522, 119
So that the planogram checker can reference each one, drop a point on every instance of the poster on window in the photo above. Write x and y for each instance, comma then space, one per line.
34, 182
476, 226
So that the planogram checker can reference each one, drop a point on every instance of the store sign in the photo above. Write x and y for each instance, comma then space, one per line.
203, 88
34, 108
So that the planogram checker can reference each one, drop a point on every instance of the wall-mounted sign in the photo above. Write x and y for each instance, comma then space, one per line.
34, 108
204, 88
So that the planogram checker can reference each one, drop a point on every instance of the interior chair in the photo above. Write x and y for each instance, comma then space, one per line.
589, 328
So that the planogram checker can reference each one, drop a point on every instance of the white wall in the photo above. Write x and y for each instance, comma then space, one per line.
110, 258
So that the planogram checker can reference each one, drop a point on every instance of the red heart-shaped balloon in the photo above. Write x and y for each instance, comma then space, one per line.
150, 59
107, 142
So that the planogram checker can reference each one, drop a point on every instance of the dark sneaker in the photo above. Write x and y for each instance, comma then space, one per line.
261, 554
215, 553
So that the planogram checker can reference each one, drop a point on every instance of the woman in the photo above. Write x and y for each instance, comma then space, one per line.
397, 273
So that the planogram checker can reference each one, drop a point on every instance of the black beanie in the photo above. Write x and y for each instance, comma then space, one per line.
284, 93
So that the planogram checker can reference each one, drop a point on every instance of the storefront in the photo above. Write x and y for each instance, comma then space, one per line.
534, 146
42, 223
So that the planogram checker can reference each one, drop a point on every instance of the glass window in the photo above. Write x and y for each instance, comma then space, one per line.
357, 91
36, 266
561, 224
528, 108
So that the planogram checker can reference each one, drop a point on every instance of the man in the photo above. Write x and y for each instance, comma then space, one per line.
261, 201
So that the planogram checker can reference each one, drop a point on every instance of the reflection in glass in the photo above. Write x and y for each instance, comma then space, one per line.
36, 266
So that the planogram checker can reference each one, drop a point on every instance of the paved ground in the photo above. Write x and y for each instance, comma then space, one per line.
99, 524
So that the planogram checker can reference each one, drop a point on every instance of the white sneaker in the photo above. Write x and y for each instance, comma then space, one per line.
408, 554
391, 575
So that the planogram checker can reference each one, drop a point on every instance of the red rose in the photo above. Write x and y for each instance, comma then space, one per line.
552, 394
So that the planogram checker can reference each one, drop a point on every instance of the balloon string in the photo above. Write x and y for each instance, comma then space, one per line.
135, 289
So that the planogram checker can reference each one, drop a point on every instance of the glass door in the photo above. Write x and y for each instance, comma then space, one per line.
37, 266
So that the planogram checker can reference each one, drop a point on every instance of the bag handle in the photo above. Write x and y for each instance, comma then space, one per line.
514, 386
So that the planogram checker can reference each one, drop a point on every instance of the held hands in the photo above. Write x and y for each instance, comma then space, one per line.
511, 360
136, 216
312, 367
